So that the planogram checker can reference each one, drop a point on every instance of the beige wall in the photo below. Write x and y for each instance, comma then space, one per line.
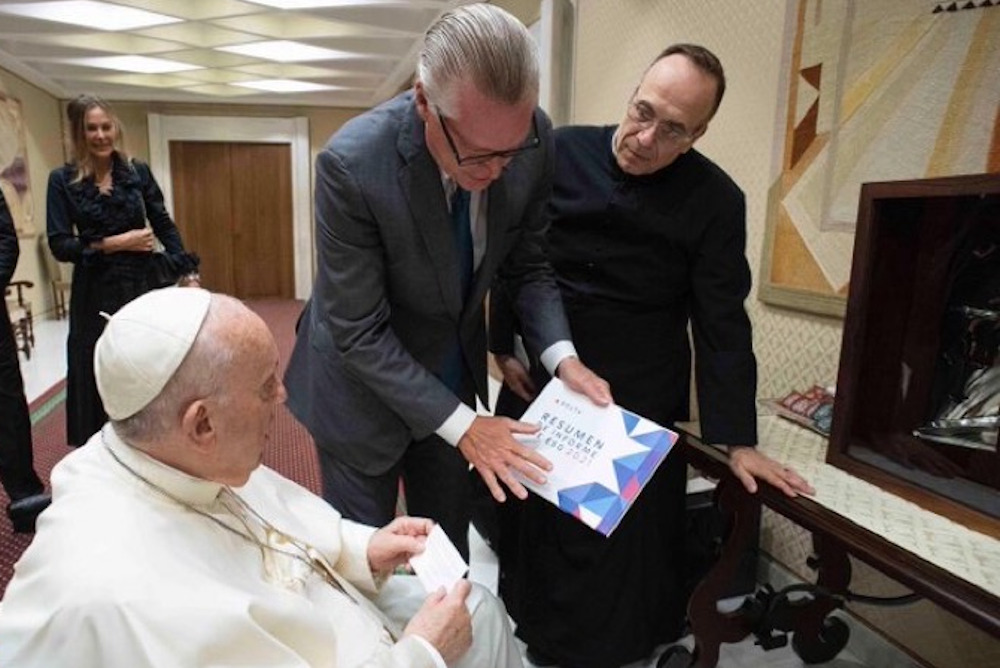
615, 42
40, 113
323, 121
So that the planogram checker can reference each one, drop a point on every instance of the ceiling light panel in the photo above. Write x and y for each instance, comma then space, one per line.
88, 13
283, 85
283, 51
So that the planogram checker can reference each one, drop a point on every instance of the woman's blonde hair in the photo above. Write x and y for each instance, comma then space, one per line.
76, 115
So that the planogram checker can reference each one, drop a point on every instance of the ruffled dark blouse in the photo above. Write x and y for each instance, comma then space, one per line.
78, 215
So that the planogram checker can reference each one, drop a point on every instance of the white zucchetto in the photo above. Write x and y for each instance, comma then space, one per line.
143, 344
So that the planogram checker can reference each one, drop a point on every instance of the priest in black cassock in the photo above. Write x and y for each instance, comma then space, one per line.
647, 236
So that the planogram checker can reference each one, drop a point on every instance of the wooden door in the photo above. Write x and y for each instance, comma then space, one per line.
233, 205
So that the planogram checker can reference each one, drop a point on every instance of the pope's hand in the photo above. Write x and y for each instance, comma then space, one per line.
396, 542
445, 622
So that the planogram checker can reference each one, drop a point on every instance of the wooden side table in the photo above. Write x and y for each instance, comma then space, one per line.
835, 536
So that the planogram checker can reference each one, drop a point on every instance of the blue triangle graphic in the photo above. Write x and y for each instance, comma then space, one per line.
630, 420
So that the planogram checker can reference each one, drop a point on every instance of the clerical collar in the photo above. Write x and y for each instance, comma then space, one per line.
180, 485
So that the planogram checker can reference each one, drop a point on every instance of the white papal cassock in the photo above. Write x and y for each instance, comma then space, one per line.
121, 575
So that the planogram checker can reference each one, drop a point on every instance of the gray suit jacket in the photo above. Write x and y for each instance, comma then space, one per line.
386, 309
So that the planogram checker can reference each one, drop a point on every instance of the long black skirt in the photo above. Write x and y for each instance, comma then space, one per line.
104, 287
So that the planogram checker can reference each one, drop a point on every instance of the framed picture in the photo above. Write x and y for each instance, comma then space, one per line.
875, 91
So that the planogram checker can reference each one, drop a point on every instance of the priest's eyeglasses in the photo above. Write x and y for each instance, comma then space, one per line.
667, 132
533, 142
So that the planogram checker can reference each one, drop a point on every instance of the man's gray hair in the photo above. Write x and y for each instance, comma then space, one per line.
201, 375
483, 45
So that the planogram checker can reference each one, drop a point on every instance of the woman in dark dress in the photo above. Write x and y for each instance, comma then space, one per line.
647, 238
97, 208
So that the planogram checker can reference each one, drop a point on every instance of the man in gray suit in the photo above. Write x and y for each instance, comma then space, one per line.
420, 202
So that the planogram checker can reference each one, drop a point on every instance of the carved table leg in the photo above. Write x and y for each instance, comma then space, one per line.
819, 638
711, 628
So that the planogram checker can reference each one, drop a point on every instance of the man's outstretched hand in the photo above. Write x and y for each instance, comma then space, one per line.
491, 448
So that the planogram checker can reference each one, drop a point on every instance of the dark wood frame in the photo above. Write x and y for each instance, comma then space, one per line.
865, 300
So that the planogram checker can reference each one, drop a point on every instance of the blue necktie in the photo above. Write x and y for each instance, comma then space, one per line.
451, 369
462, 228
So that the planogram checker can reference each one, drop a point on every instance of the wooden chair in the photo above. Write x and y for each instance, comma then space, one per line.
21, 317
58, 281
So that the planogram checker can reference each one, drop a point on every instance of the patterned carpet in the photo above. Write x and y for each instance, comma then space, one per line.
291, 450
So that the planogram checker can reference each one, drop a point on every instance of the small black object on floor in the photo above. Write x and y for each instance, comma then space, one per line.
25, 511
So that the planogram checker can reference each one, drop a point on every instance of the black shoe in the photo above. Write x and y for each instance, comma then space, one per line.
539, 659
23, 512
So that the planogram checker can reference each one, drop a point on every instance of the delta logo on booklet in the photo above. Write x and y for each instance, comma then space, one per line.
601, 457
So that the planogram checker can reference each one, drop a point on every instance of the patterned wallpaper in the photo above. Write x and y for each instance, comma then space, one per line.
615, 42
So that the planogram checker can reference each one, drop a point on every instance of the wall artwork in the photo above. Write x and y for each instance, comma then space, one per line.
876, 91
14, 165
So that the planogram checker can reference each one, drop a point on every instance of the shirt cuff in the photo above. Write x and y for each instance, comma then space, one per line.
454, 428
438, 659
555, 354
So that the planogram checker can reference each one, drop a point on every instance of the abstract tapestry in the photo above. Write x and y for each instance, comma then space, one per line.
876, 91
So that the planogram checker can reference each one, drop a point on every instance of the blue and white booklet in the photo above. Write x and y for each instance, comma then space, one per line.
601, 457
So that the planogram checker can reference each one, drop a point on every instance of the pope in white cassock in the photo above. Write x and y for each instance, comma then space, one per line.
169, 544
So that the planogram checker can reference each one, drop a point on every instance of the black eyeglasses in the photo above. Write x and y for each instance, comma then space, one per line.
534, 141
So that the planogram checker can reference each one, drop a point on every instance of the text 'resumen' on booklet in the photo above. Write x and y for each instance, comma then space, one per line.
601, 457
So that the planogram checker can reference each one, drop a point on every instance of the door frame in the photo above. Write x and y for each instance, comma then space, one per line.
232, 129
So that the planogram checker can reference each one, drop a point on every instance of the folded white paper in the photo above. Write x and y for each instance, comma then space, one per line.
440, 564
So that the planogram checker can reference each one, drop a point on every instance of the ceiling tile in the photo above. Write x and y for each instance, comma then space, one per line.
410, 18
196, 33
384, 34
210, 58
196, 10
104, 42
220, 90
278, 25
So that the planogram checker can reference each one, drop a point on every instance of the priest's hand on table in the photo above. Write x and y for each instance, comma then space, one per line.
748, 464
